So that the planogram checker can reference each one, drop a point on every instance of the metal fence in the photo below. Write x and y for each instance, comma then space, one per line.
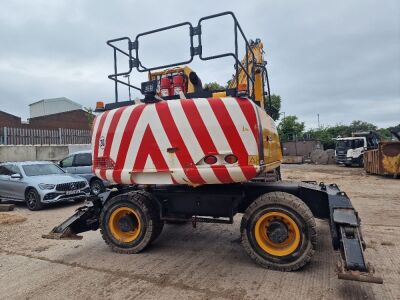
30, 136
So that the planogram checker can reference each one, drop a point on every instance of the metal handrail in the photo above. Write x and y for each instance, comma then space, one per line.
134, 60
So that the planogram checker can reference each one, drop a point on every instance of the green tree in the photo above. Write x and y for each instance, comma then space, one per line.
213, 86
328, 134
90, 115
274, 112
357, 126
384, 133
290, 128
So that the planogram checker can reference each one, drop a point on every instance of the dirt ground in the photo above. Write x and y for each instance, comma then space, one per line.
202, 263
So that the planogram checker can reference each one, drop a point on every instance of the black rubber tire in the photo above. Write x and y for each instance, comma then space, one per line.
32, 199
299, 212
97, 187
361, 164
159, 224
148, 217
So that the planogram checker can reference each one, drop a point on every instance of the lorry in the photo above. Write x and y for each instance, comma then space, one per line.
350, 150
186, 153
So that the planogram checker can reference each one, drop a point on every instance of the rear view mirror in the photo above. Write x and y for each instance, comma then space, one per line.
16, 176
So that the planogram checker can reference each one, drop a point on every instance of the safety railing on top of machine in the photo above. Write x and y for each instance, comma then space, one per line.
134, 61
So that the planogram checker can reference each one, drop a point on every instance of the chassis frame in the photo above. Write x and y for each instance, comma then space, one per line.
219, 204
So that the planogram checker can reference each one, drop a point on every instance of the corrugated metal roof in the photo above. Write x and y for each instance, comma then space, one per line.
56, 100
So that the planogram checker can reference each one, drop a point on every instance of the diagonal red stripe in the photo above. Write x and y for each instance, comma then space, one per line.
149, 147
232, 136
250, 114
110, 136
176, 140
203, 137
102, 119
126, 140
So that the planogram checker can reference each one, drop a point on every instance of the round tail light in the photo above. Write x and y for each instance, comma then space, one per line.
210, 159
231, 159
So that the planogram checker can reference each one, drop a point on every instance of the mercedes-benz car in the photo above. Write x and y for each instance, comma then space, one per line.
38, 183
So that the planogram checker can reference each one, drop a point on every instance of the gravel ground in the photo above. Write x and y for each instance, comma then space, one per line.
202, 263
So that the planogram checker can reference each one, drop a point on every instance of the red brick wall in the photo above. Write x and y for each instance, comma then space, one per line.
75, 119
8, 120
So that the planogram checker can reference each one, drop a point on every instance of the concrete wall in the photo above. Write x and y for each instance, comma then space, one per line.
79, 147
24, 153
301, 148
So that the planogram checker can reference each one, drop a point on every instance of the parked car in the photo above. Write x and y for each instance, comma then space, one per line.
80, 163
38, 183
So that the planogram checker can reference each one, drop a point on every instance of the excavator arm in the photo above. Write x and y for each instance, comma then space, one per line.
258, 64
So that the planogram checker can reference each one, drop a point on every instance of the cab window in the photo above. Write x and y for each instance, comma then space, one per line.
83, 159
359, 143
14, 169
8, 170
4, 170
67, 162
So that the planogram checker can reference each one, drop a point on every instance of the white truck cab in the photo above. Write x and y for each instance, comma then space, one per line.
350, 150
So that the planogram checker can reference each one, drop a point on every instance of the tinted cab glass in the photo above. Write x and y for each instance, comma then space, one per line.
83, 160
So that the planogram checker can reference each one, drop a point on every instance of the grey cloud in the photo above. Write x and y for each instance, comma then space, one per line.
340, 59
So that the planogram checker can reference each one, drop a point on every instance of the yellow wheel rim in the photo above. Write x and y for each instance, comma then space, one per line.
124, 236
289, 245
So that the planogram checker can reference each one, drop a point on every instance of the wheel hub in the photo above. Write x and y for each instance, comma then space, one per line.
277, 232
127, 223
124, 224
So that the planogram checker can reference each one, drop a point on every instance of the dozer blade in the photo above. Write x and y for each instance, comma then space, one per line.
66, 235
357, 275
85, 218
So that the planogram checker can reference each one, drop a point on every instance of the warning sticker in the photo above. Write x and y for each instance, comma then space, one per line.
253, 160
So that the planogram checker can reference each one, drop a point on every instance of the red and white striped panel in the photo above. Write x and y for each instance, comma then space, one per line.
166, 142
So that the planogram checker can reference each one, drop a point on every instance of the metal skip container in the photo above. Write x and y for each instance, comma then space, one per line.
385, 160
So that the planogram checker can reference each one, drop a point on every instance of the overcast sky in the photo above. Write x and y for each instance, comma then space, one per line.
340, 59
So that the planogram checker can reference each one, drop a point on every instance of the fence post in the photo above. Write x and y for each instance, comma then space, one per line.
5, 135
59, 135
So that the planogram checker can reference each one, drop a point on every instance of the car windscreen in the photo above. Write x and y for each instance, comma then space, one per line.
350, 144
41, 169
344, 144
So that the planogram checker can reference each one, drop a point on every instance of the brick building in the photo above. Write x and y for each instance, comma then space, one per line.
74, 119
9, 120
50, 114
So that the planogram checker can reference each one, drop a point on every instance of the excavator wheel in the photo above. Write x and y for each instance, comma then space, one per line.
159, 224
129, 222
279, 232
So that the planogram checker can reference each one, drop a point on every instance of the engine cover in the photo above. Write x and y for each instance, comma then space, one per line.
167, 142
